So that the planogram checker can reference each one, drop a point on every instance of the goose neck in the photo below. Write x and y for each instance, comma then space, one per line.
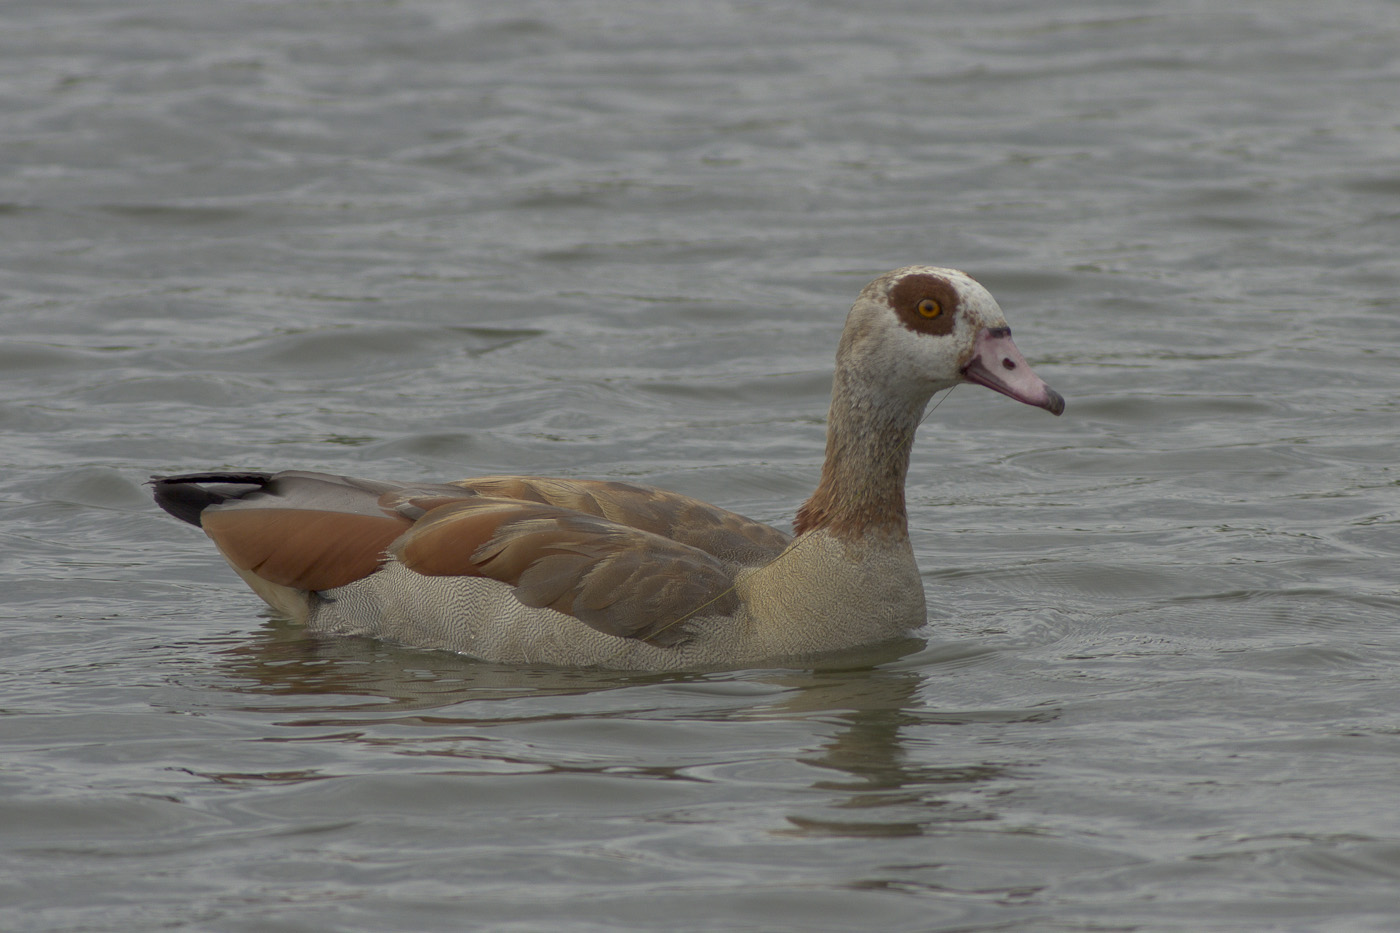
869, 436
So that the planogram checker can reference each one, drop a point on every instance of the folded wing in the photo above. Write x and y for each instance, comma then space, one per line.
617, 579
627, 560
724, 534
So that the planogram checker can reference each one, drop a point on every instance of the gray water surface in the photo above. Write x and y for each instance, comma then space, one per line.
1160, 684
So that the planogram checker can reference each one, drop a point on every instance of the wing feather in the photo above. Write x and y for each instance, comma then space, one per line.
308, 531
631, 561
300, 548
726, 535
615, 578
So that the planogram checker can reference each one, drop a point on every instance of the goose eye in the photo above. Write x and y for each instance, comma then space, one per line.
930, 308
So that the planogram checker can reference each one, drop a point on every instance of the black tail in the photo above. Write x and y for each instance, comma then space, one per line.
187, 495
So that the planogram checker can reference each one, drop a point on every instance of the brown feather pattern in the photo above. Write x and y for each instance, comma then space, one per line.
303, 548
627, 560
718, 532
617, 579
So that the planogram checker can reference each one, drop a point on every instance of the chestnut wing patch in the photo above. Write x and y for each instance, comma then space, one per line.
617, 579
307, 549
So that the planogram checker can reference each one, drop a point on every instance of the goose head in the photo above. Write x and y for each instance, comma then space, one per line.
911, 333
920, 329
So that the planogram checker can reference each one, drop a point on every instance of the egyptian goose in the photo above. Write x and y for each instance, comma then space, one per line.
571, 572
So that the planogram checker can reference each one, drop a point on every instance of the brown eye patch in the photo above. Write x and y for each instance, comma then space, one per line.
926, 304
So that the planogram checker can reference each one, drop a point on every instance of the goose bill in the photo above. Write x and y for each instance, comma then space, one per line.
998, 365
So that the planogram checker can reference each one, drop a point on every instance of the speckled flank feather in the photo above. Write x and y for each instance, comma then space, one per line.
591, 573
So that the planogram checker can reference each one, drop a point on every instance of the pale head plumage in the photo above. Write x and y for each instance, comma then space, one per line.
898, 353
920, 329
